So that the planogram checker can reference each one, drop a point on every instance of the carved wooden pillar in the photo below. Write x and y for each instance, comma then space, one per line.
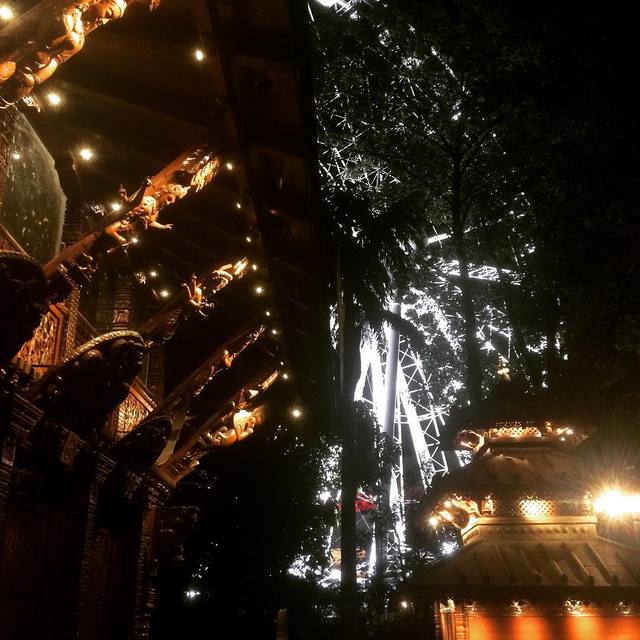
155, 495
77, 546
155, 378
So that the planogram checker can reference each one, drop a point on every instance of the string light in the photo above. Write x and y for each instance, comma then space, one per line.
248, 239
153, 274
86, 153
274, 332
296, 413
229, 166
135, 240
285, 376
6, 13
54, 99
116, 206
164, 293
238, 205
254, 267
199, 55
267, 313
259, 290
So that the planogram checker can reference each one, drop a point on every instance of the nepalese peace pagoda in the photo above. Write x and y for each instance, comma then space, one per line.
539, 555
155, 225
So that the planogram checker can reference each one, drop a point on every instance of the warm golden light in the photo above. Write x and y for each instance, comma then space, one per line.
238, 205
248, 238
614, 503
534, 508
86, 153
296, 413
404, 604
54, 99
153, 274
229, 166
259, 290
433, 521
16, 156
285, 376
274, 332
6, 13
199, 55
116, 206
267, 313
164, 293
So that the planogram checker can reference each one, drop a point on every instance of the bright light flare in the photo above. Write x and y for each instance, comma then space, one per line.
54, 99
614, 503
86, 153
199, 55
6, 13
296, 413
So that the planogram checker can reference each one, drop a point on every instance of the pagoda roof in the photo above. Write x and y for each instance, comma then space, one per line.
565, 554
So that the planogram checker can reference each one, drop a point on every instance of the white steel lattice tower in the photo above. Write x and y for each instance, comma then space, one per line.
398, 392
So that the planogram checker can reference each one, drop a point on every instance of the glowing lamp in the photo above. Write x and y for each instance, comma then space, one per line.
254, 267
614, 504
229, 166
404, 604
267, 313
164, 293
285, 376
238, 205
135, 240
86, 154
54, 99
248, 238
153, 274
296, 413
16, 156
6, 13
116, 206
259, 290
199, 55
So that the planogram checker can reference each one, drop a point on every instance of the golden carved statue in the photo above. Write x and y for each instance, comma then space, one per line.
61, 32
190, 172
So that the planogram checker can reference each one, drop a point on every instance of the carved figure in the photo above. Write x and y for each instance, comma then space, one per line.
60, 37
88, 386
75, 264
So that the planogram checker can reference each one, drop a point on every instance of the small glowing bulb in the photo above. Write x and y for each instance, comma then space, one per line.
6, 13
248, 238
259, 290
86, 153
153, 274
229, 166
54, 99
274, 332
238, 205
267, 313
16, 156
285, 376
116, 206
135, 240
199, 55
254, 267
433, 521
296, 413
404, 604
164, 293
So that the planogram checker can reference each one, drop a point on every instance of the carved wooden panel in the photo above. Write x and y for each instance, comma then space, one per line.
42, 351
